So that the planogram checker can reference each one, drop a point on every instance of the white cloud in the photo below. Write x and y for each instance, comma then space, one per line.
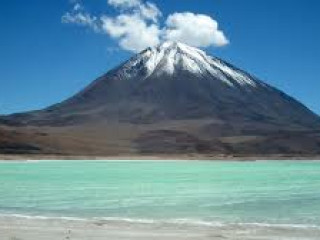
194, 29
77, 7
133, 32
137, 26
124, 3
149, 11
80, 17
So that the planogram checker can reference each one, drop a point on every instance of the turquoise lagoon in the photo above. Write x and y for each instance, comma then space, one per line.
204, 192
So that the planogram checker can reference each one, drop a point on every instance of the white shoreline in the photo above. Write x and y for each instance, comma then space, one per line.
157, 160
180, 221
164, 157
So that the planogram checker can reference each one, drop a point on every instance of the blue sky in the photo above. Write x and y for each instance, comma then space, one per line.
44, 61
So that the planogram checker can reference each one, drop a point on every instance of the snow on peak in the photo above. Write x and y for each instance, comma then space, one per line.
171, 56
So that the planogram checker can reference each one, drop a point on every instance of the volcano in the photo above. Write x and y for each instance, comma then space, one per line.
171, 99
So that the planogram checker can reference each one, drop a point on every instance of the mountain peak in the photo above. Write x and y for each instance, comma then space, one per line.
172, 58
175, 45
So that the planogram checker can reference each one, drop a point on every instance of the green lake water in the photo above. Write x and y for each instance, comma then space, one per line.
267, 192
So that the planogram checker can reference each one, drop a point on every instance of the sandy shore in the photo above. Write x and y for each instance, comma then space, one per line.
17, 228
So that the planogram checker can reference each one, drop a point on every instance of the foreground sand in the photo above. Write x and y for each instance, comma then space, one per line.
19, 228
